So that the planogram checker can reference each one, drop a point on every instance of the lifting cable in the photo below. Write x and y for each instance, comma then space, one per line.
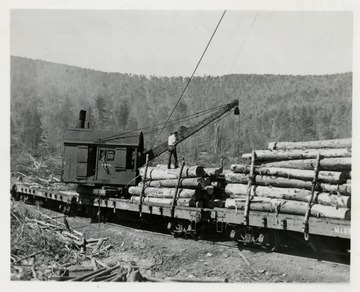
252, 24
192, 75
170, 124
227, 45
154, 127
242, 45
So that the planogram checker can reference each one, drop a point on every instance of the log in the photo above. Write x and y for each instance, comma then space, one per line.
269, 181
29, 256
324, 176
80, 268
292, 207
242, 198
70, 235
104, 278
264, 180
61, 278
52, 218
105, 248
94, 265
234, 190
333, 164
198, 280
64, 239
154, 173
162, 192
98, 245
101, 264
166, 201
343, 189
82, 277
279, 155
96, 240
45, 224
335, 143
326, 199
337, 201
189, 171
119, 277
202, 280
213, 172
232, 177
190, 183
98, 273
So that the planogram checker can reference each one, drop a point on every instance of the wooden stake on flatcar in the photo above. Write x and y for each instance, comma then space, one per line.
177, 189
314, 183
251, 181
143, 186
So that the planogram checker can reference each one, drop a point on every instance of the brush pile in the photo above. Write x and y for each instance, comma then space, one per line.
288, 176
47, 248
161, 185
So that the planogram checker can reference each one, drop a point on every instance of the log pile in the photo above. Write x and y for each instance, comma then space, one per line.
161, 185
284, 179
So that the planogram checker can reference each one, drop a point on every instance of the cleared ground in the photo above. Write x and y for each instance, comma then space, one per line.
160, 255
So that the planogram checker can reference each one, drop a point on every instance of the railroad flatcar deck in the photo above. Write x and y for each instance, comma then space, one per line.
220, 216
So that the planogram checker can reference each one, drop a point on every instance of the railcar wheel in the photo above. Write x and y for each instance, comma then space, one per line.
268, 240
177, 229
242, 235
229, 227
199, 232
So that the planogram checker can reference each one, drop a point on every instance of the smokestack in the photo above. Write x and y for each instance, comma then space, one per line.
82, 117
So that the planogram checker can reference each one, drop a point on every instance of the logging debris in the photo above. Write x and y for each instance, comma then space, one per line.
46, 249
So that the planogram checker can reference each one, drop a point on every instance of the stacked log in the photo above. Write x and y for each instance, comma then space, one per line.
161, 185
284, 175
159, 173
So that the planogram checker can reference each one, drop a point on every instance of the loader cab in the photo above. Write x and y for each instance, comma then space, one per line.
101, 157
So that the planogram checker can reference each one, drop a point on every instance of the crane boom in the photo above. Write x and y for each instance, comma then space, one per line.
106, 158
187, 132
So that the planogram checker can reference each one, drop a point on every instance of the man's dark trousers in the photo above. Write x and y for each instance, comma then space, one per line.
172, 151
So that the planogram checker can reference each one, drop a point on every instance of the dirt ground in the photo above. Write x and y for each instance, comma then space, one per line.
160, 255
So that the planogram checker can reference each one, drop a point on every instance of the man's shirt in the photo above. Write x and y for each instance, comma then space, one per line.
171, 140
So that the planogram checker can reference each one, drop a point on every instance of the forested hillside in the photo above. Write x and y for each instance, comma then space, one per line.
46, 99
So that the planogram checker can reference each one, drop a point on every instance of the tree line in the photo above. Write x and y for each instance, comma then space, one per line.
46, 99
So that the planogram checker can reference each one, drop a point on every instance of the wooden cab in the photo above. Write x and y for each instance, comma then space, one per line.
101, 157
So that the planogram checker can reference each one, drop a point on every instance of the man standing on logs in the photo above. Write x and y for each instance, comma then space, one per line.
172, 140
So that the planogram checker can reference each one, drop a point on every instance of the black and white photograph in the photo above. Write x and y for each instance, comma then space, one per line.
181, 144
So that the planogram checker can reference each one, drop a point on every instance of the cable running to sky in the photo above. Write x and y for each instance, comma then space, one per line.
257, 13
192, 75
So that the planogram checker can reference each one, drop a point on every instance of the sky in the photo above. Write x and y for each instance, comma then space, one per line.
171, 42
